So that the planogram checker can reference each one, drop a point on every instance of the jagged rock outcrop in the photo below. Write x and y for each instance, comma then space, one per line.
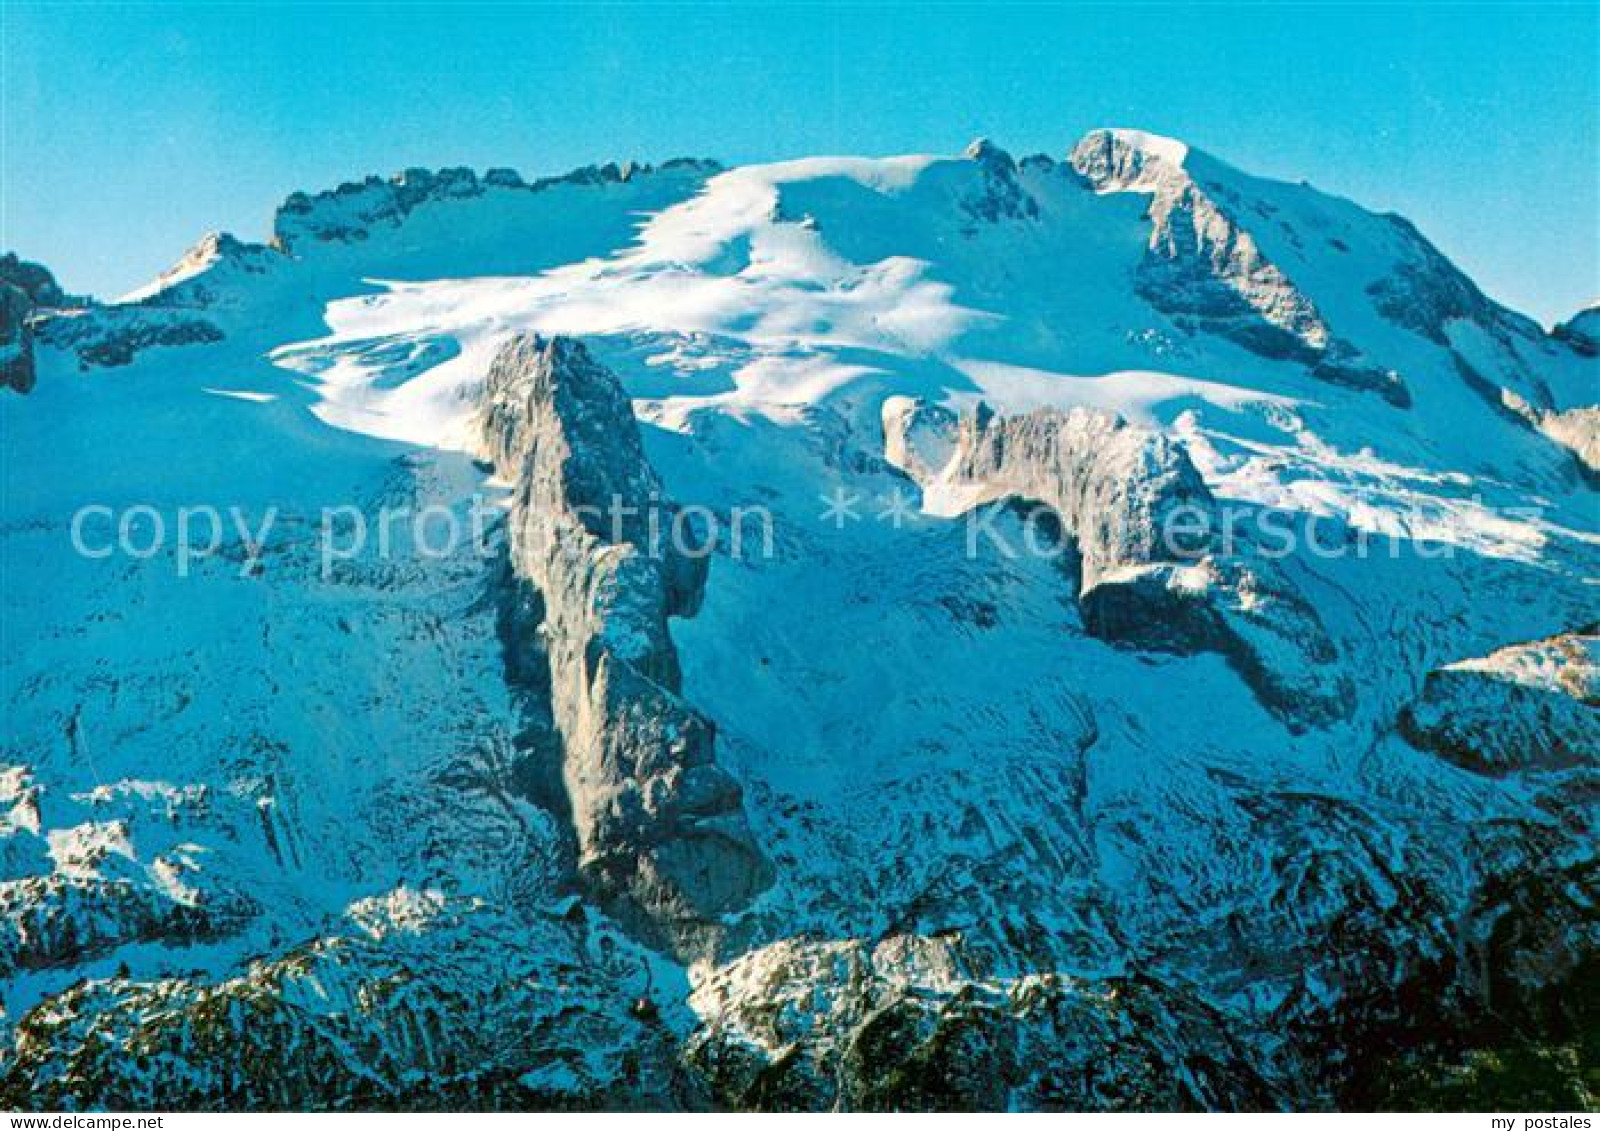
16, 340
659, 825
1529, 707
1578, 430
215, 272
181, 307
914, 1023
1118, 489
1201, 262
25, 288
1002, 197
349, 213
1152, 571
1425, 292
69, 892
345, 213
50, 919
1205, 269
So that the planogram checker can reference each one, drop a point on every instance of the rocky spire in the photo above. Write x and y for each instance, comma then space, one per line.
660, 827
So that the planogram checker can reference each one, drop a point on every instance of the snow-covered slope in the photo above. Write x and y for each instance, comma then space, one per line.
909, 811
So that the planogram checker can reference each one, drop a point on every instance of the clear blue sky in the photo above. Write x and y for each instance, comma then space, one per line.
131, 129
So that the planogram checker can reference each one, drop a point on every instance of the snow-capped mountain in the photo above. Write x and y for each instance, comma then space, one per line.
902, 809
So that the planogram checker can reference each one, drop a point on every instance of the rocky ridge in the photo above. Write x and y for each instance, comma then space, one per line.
1151, 568
659, 824
866, 822
350, 212
25, 289
1205, 268
1531, 707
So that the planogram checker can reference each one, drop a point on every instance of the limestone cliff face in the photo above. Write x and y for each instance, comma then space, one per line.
1577, 429
1425, 293
1153, 572
660, 827
1001, 197
1205, 269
